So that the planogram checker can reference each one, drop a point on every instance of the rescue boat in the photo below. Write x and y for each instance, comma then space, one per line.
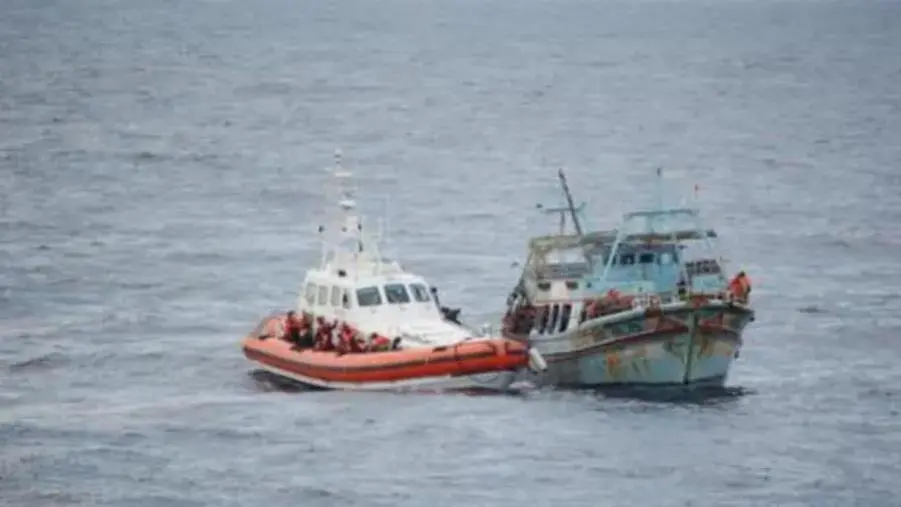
369, 297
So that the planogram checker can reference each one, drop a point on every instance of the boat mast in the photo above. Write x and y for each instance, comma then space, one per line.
569, 203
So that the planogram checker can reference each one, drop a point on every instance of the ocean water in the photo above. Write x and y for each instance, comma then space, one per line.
161, 172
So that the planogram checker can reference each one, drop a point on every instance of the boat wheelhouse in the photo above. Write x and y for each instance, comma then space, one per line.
354, 283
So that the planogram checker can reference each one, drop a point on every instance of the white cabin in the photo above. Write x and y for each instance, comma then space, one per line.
354, 284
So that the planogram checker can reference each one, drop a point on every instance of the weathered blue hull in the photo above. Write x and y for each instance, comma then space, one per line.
682, 346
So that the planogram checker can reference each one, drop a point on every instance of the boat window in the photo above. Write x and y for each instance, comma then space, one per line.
322, 300
542, 319
552, 322
310, 294
369, 296
572, 285
564, 316
544, 286
646, 258
336, 296
627, 259
345, 299
396, 293
420, 293
665, 258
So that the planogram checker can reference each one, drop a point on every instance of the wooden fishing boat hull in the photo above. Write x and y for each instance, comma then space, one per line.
479, 364
683, 345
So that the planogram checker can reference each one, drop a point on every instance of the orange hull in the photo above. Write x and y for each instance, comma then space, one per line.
466, 358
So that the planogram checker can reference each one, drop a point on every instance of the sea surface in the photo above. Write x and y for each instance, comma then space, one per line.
161, 180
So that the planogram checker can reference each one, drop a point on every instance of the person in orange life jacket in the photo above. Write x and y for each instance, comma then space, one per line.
740, 286
323, 335
346, 340
378, 343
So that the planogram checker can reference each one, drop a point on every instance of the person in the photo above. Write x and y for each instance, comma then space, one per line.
525, 319
334, 334
307, 339
292, 328
682, 288
323, 335
740, 286
378, 343
347, 343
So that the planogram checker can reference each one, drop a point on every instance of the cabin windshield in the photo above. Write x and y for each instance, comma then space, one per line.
396, 293
369, 296
420, 293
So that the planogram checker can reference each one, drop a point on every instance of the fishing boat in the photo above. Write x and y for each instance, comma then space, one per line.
645, 304
369, 324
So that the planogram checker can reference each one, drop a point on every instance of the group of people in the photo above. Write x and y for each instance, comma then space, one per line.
308, 333
521, 320
612, 302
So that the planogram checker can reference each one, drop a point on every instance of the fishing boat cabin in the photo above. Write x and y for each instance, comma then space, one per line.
564, 273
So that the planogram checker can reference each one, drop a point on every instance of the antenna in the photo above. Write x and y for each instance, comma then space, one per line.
384, 222
658, 198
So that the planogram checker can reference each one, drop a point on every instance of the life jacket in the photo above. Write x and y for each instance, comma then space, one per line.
355, 346
739, 287
380, 343
323, 335
347, 342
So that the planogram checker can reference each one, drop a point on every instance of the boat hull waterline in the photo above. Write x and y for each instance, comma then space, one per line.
475, 365
683, 346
